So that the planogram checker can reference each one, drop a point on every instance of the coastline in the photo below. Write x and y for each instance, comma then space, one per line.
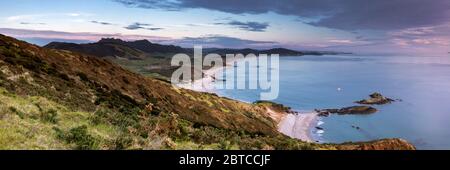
298, 126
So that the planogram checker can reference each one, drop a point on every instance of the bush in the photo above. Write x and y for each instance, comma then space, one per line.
122, 142
49, 116
108, 116
78, 136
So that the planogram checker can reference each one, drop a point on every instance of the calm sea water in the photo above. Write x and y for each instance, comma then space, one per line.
422, 83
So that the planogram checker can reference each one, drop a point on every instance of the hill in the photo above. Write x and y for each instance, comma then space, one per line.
110, 47
57, 99
153, 59
280, 51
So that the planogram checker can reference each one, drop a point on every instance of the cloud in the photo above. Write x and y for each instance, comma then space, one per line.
344, 15
73, 14
168, 5
33, 17
78, 14
44, 37
154, 29
137, 26
425, 36
221, 41
102, 23
248, 26
32, 23
341, 41
23, 17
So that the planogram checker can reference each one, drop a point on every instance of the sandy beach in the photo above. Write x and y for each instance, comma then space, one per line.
298, 125
206, 84
293, 125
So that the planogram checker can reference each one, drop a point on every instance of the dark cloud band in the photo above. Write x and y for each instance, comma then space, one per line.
344, 14
222, 42
248, 26
137, 26
102, 23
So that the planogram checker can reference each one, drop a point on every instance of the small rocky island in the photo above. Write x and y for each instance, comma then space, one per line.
376, 99
347, 111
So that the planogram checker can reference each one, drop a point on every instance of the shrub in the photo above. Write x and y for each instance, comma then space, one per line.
122, 142
49, 116
78, 136
109, 116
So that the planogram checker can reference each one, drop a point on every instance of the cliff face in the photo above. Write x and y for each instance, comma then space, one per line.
74, 101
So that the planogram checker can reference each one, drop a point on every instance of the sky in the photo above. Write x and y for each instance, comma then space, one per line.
359, 26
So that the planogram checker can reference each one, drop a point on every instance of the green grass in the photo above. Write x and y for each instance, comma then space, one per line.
139, 66
29, 123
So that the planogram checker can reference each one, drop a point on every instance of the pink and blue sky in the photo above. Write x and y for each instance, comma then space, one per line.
382, 26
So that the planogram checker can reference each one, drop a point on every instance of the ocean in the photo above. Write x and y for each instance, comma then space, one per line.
421, 83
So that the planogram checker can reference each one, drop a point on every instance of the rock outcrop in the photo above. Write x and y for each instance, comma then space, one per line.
375, 98
347, 110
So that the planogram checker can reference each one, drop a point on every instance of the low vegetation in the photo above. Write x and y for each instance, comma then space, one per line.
38, 123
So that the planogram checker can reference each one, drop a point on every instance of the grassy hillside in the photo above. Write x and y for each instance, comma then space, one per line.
54, 99
38, 123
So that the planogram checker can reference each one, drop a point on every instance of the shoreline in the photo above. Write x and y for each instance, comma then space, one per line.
298, 126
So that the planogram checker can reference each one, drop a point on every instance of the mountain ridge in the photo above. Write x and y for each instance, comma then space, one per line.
141, 48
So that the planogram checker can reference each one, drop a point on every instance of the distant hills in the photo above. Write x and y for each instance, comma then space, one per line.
280, 51
110, 47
